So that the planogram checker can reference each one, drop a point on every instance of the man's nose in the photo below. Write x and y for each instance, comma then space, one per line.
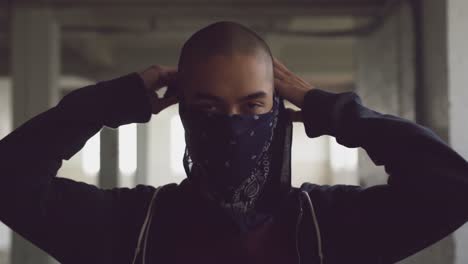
233, 110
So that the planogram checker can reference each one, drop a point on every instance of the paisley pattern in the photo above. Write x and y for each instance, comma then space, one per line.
233, 154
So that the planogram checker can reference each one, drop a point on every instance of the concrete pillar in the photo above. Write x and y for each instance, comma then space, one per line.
443, 100
458, 96
432, 96
141, 175
159, 148
109, 171
35, 68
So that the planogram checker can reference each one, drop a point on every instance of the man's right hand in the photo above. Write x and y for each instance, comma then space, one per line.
156, 77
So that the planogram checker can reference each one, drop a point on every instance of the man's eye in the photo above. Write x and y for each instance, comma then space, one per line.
207, 107
254, 105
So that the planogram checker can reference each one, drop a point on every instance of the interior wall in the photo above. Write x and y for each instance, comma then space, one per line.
385, 79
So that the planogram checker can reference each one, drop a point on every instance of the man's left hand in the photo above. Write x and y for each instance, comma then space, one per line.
290, 86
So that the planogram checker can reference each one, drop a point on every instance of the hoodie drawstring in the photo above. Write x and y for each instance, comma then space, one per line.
145, 229
317, 228
144, 232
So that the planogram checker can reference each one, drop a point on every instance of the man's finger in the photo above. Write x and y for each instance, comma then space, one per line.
279, 71
162, 104
278, 74
279, 84
165, 78
279, 66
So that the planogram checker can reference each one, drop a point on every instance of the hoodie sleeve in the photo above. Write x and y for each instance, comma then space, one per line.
424, 200
73, 221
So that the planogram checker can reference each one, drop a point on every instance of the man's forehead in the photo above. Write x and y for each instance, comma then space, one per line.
260, 62
228, 93
241, 97
242, 74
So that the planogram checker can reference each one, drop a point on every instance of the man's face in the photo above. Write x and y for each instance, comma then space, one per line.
237, 84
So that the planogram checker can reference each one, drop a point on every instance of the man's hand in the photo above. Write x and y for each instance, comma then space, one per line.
290, 86
155, 77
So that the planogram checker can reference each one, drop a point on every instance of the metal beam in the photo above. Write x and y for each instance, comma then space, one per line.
139, 9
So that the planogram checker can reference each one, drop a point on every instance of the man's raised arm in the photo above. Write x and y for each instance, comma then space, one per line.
425, 199
70, 220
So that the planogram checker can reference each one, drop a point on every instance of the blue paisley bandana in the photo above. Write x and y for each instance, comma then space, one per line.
232, 154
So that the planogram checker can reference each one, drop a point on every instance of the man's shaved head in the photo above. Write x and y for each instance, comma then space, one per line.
223, 38
227, 68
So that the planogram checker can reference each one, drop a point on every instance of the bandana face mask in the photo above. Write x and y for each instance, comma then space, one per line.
232, 153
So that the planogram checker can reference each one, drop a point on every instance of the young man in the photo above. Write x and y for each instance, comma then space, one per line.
237, 204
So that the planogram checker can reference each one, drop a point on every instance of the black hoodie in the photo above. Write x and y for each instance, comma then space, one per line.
425, 199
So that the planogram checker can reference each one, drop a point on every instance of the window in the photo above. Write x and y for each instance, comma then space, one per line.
91, 161
343, 163
177, 147
128, 149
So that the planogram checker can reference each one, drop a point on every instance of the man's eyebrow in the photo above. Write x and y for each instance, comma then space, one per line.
200, 95
256, 95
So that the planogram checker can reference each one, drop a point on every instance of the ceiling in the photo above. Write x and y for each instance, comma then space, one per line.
109, 37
